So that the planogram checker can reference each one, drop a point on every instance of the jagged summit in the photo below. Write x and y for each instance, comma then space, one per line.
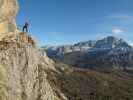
107, 53
111, 42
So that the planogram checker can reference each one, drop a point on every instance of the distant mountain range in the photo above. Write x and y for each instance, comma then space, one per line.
108, 53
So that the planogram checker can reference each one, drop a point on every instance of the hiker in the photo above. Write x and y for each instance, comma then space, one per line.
25, 27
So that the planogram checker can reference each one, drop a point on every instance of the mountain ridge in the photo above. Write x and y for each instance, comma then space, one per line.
110, 41
109, 51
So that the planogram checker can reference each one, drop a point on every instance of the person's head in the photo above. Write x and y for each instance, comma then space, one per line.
26, 23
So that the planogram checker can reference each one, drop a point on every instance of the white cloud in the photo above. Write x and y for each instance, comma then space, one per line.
117, 31
125, 17
121, 16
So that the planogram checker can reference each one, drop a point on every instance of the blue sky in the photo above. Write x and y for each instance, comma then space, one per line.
56, 22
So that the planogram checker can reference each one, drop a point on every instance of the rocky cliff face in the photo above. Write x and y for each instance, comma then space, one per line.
23, 76
22, 65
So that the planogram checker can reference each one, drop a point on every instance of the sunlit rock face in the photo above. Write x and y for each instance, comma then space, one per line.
8, 11
23, 72
22, 66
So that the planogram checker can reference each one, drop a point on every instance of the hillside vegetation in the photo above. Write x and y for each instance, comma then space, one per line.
80, 84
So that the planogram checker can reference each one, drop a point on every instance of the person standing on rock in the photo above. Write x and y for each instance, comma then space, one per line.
25, 27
